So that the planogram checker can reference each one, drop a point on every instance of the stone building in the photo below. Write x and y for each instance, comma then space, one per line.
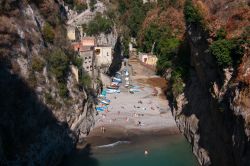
103, 55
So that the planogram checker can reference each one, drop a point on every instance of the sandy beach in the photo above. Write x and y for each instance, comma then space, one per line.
130, 115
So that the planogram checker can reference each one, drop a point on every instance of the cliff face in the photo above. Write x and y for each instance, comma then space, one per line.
213, 112
38, 126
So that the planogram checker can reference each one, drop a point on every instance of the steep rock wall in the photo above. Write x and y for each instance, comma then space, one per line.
36, 129
207, 113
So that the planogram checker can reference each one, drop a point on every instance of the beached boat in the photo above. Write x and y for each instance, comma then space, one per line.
117, 80
113, 87
134, 90
110, 91
101, 109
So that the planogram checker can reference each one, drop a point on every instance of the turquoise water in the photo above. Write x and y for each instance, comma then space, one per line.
167, 151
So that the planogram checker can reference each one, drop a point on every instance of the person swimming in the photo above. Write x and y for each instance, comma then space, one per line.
146, 152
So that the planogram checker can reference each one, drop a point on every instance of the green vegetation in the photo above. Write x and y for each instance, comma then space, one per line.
48, 33
58, 65
92, 4
37, 64
63, 91
221, 34
228, 53
84, 80
32, 79
77, 5
221, 49
192, 14
77, 61
80, 7
99, 24
167, 51
177, 82
163, 43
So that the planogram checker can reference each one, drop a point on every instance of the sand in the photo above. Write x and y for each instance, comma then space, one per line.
137, 114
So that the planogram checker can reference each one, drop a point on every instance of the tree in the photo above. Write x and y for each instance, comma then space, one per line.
221, 49
192, 14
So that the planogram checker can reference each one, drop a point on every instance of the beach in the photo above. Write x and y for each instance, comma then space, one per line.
132, 115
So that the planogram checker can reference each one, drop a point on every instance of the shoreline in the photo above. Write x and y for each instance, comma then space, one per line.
119, 133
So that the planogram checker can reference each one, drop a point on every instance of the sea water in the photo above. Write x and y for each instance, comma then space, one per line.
162, 151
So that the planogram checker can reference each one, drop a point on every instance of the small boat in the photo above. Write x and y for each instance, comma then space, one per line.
134, 90
101, 109
110, 91
105, 102
103, 98
114, 83
113, 87
117, 80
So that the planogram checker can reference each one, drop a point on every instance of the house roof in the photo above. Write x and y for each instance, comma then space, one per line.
88, 41
85, 48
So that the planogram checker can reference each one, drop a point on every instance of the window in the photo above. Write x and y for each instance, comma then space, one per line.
97, 51
85, 57
107, 54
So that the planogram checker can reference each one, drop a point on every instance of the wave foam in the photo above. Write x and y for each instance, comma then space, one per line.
114, 144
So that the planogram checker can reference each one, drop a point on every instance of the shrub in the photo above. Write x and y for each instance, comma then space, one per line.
92, 4
80, 7
63, 90
49, 99
99, 24
221, 49
85, 80
77, 61
177, 82
48, 33
166, 50
58, 64
37, 64
32, 81
221, 34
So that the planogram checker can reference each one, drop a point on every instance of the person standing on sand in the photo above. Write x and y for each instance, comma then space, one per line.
102, 129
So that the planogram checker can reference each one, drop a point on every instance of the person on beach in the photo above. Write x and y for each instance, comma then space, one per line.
127, 119
102, 129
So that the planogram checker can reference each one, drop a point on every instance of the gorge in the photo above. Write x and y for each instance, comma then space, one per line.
202, 47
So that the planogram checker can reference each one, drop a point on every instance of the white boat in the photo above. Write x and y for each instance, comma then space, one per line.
117, 80
110, 91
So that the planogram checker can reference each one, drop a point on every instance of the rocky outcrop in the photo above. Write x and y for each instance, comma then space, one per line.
213, 111
38, 126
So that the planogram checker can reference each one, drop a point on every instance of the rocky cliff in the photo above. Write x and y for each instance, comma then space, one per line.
44, 111
213, 110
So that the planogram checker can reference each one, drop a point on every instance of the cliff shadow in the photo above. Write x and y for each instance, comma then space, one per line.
29, 132
82, 157
117, 58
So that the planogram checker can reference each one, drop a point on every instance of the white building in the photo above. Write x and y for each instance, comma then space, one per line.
150, 1
148, 58
103, 55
